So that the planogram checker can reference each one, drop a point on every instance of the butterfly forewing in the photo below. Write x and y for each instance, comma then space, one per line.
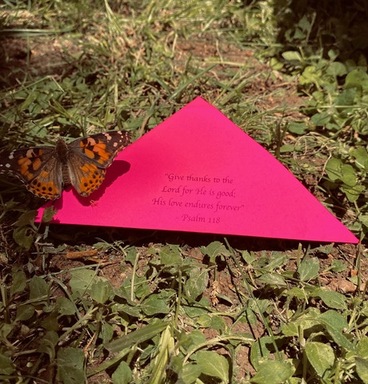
90, 156
101, 148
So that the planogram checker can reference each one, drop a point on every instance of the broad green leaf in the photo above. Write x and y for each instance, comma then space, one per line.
336, 69
357, 79
361, 157
48, 343
292, 56
65, 306
81, 281
122, 374
131, 255
353, 193
333, 169
321, 119
260, 350
311, 75
362, 369
213, 322
213, 364
321, 356
157, 303
107, 332
308, 269
277, 260
48, 214
332, 299
101, 290
339, 338
192, 339
362, 348
348, 175
273, 371
273, 279
214, 249
25, 312
6, 365
298, 128
333, 319
23, 237
70, 366
38, 288
196, 284
190, 373
19, 282
170, 255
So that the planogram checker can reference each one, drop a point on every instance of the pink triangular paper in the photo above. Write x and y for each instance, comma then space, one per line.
198, 172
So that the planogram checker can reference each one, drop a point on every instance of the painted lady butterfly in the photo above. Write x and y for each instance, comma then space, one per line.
81, 163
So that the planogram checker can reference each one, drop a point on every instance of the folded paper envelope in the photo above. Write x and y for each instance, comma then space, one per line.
198, 172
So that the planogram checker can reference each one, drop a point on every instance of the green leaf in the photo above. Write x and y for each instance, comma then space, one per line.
260, 351
333, 169
122, 374
362, 369
81, 281
101, 290
321, 119
38, 288
292, 56
19, 282
308, 269
214, 249
107, 332
137, 337
213, 364
321, 356
190, 373
48, 214
357, 79
332, 299
70, 366
157, 303
273, 371
333, 319
348, 175
272, 279
298, 128
48, 343
353, 193
23, 237
6, 365
170, 255
361, 157
362, 348
196, 284
65, 306
336, 69
25, 312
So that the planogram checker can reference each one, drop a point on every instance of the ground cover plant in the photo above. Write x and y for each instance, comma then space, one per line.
123, 306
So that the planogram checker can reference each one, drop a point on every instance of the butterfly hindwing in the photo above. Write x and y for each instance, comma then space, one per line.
85, 176
37, 168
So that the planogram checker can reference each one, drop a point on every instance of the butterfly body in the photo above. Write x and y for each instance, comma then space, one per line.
81, 163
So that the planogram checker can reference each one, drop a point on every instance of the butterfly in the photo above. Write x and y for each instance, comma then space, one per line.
81, 163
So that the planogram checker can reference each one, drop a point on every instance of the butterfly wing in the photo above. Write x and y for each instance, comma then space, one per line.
89, 157
37, 168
